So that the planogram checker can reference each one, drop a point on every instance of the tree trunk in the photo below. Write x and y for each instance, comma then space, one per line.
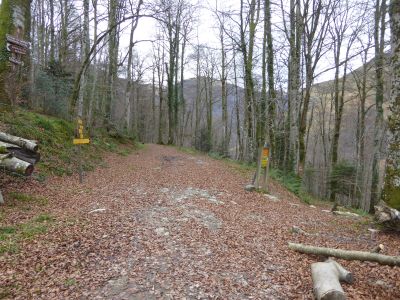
9, 80
346, 254
15, 165
379, 37
112, 59
23, 143
271, 81
224, 103
391, 190
93, 97
21, 153
128, 90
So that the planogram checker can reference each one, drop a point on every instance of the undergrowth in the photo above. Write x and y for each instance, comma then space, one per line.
293, 183
11, 236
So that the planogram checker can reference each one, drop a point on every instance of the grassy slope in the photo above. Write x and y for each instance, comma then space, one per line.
58, 154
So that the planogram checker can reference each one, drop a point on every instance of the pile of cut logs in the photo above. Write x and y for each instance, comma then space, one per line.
18, 155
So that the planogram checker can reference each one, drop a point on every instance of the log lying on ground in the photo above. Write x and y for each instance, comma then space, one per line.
326, 277
387, 216
23, 143
346, 254
345, 213
21, 153
15, 165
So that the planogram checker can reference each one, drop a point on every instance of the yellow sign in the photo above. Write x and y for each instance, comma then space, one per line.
265, 156
264, 162
81, 141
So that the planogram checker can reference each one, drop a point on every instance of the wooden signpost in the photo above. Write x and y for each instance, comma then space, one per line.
265, 165
262, 166
80, 140
17, 48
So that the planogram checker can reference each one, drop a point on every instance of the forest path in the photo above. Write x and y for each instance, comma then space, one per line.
161, 223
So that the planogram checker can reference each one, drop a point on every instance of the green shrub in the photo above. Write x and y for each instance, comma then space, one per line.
343, 179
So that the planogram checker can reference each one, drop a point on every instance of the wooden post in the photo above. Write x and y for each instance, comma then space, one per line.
80, 164
256, 179
265, 165
79, 142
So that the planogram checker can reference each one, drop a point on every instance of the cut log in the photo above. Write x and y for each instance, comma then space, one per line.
250, 188
24, 143
387, 216
326, 277
16, 165
21, 153
346, 254
1, 198
378, 248
345, 213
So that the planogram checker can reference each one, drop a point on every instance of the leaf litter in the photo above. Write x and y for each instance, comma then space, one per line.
164, 226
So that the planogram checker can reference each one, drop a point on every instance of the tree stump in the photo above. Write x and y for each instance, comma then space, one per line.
326, 278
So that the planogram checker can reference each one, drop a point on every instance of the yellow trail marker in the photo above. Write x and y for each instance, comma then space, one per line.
81, 141
265, 156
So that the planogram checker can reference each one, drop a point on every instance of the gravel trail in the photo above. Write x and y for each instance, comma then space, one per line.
165, 224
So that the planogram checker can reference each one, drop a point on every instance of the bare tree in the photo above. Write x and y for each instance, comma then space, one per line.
379, 39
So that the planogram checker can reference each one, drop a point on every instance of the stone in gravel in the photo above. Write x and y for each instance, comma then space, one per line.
206, 218
97, 210
162, 231
250, 188
272, 198
382, 284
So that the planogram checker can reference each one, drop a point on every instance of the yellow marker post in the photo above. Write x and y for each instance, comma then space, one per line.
265, 165
80, 141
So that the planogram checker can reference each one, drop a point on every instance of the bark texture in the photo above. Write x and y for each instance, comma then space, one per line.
391, 190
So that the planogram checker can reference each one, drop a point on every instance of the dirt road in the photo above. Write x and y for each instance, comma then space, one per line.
161, 223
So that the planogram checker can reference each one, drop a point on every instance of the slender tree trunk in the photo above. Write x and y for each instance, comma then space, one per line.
86, 49
237, 110
198, 102
224, 104
52, 38
93, 97
181, 94
391, 190
112, 59
160, 75
379, 37
271, 80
